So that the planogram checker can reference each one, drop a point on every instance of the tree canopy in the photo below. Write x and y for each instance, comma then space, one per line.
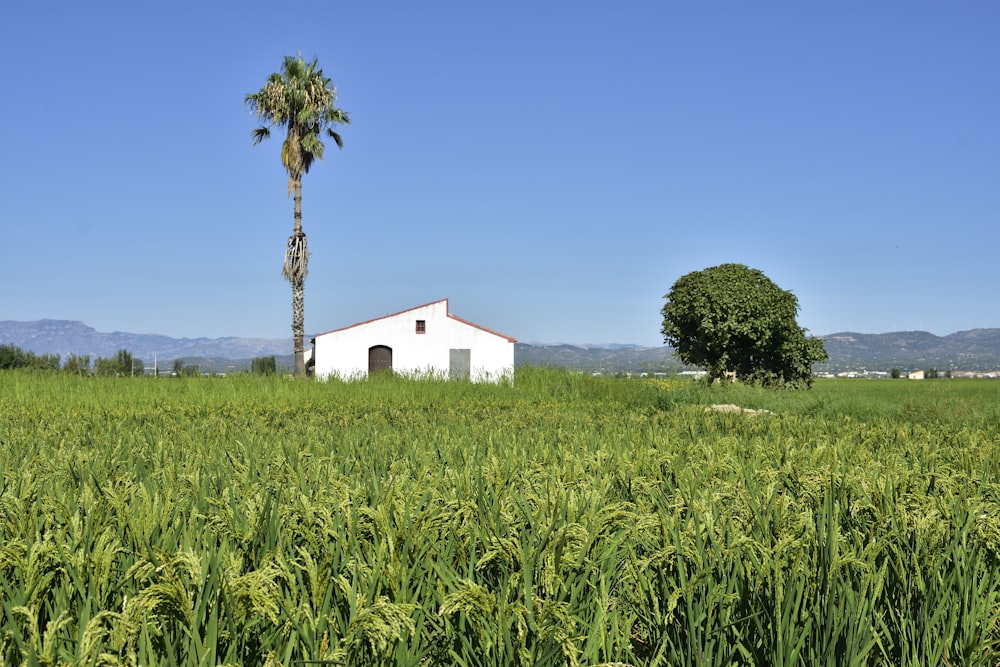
734, 319
300, 99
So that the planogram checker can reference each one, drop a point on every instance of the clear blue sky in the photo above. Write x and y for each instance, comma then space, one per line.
551, 167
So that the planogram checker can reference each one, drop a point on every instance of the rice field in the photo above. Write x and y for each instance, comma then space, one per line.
560, 520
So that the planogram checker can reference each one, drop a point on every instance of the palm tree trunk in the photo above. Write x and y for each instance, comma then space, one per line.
298, 326
295, 270
297, 199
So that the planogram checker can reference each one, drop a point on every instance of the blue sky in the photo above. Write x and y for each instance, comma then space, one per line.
550, 167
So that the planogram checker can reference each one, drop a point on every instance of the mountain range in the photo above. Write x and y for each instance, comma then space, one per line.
974, 350
66, 337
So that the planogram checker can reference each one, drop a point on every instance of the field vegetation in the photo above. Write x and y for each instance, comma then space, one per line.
558, 520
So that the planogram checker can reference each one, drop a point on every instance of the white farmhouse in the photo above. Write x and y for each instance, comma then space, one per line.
422, 340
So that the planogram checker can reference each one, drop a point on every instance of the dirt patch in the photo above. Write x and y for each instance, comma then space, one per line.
729, 407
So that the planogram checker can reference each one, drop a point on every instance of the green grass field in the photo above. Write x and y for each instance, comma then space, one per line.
563, 519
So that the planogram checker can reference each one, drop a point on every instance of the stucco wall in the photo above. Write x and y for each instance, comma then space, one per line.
344, 353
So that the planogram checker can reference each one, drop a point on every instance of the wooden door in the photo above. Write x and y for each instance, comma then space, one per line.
379, 358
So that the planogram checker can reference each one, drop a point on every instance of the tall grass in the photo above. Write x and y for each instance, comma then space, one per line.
561, 519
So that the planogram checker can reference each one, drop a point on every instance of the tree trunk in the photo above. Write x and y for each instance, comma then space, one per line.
295, 270
298, 325
297, 201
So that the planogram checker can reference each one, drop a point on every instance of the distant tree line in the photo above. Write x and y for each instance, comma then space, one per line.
185, 370
121, 364
12, 357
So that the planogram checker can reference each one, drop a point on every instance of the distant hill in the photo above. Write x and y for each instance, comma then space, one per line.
975, 350
605, 358
65, 337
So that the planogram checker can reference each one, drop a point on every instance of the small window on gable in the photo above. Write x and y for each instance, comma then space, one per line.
421, 326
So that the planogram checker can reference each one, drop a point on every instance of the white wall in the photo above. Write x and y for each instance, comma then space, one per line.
344, 353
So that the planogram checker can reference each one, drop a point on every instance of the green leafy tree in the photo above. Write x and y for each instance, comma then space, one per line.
104, 367
263, 366
734, 319
49, 362
77, 364
300, 99
122, 364
127, 364
11, 356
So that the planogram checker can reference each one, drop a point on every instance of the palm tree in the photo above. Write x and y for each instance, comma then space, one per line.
302, 100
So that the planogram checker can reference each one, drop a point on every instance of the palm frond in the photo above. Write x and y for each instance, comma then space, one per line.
259, 134
337, 116
335, 136
312, 148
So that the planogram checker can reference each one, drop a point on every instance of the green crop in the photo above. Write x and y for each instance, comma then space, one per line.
556, 520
